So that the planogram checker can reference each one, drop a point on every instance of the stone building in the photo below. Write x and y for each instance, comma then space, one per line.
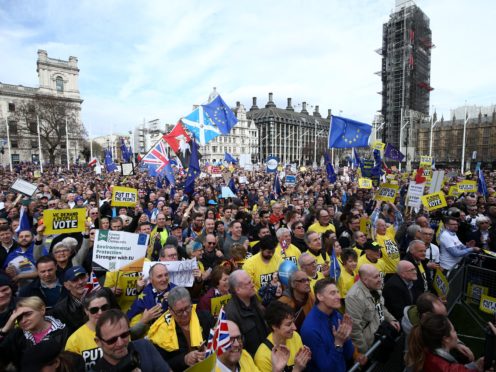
58, 83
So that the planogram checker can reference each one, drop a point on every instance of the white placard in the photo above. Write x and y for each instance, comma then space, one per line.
242, 179
180, 272
24, 187
113, 250
436, 181
415, 192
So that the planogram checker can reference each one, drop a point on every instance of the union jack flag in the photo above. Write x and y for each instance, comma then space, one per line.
92, 284
158, 163
219, 340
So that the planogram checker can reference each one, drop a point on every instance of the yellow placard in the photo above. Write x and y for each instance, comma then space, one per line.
387, 192
427, 173
378, 145
434, 201
467, 173
425, 162
487, 304
466, 186
365, 225
124, 196
58, 221
216, 303
364, 183
453, 191
135, 266
207, 364
475, 292
440, 284
489, 253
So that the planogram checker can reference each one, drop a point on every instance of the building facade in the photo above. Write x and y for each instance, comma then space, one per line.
405, 74
58, 85
242, 139
294, 137
447, 140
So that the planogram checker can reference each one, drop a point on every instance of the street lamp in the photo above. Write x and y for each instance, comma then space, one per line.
433, 124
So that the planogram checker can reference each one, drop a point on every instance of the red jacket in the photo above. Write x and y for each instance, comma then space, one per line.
434, 363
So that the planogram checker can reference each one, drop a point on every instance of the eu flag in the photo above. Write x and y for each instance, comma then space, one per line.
481, 183
347, 133
109, 163
229, 158
221, 115
193, 169
393, 153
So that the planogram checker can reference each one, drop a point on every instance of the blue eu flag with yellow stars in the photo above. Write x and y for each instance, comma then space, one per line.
221, 115
347, 133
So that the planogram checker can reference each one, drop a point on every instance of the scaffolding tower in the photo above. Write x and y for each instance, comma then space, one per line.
406, 65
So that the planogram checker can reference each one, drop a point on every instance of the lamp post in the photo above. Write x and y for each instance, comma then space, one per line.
433, 124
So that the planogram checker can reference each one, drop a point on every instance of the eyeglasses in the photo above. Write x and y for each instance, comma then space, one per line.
299, 227
313, 263
96, 309
184, 311
304, 280
113, 340
61, 251
238, 338
211, 243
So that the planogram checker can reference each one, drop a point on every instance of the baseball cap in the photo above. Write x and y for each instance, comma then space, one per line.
175, 226
373, 246
73, 272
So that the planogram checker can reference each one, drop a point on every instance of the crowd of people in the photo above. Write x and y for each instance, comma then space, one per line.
306, 276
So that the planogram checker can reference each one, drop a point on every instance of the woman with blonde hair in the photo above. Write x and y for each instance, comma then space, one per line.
34, 327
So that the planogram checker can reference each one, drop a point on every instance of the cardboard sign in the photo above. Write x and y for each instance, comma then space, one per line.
466, 186
60, 221
216, 304
440, 284
24, 187
434, 201
364, 183
124, 196
425, 162
487, 304
453, 191
180, 272
415, 192
119, 250
387, 192
207, 364
378, 145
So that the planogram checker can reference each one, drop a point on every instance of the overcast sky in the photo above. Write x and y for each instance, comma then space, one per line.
155, 59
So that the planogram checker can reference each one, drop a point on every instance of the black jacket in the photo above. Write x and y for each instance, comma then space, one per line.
70, 312
397, 296
250, 321
419, 285
34, 289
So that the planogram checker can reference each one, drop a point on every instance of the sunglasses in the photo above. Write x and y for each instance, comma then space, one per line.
96, 309
113, 340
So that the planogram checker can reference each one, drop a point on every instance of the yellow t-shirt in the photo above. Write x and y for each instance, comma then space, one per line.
82, 342
291, 253
127, 282
319, 259
389, 250
345, 282
318, 228
246, 363
314, 280
362, 260
263, 354
259, 271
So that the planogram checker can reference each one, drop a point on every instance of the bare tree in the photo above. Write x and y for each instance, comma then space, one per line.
52, 113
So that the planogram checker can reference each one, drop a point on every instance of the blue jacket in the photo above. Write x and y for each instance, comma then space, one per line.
30, 254
148, 299
316, 333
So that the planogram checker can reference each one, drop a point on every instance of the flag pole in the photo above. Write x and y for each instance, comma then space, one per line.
91, 142
39, 143
464, 139
67, 143
8, 143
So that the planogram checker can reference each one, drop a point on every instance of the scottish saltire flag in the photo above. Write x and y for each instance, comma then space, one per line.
23, 221
229, 158
221, 115
219, 340
157, 162
348, 133
200, 125
391, 152
276, 186
125, 153
110, 166
356, 159
193, 169
481, 184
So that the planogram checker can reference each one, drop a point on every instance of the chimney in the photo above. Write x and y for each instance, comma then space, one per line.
329, 112
316, 113
290, 106
238, 104
254, 105
270, 103
304, 109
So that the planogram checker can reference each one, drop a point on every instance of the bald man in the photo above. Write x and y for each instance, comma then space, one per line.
365, 305
399, 291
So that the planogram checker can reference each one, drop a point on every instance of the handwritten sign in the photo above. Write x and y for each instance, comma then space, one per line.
180, 272
59, 221
434, 201
119, 250
387, 192
124, 196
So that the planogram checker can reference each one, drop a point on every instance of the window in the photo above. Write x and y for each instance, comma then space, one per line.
59, 84
13, 128
33, 127
13, 144
63, 145
11, 107
15, 159
34, 143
